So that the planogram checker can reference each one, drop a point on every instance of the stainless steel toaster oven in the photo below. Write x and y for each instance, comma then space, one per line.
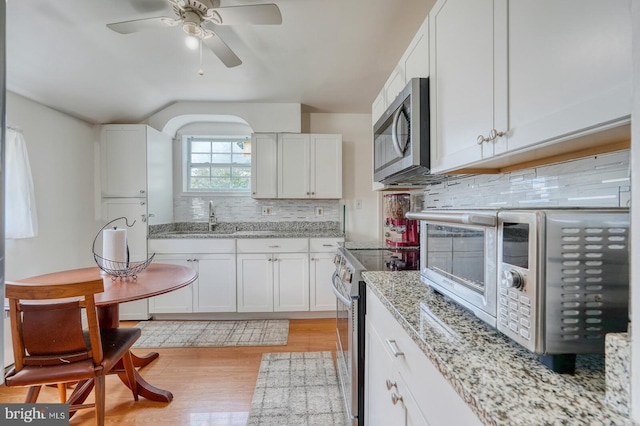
556, 281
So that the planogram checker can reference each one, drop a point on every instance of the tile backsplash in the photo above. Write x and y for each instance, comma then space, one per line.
247, 209
598, 181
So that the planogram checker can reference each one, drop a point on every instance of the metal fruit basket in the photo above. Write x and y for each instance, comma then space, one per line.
122, 270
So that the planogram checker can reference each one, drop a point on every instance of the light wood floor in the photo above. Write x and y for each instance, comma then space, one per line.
210, 386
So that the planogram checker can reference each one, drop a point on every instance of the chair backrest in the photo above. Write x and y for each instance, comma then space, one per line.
46, 322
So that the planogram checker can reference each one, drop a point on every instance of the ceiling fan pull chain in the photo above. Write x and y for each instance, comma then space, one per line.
201, 71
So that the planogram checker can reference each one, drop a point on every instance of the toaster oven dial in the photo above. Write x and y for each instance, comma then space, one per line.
511, 278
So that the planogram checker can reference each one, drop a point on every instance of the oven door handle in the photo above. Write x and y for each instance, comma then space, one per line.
339, 295
459, 218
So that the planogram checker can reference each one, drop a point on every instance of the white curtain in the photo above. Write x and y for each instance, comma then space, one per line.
21, 219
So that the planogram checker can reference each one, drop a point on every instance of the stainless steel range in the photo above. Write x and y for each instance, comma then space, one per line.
351, 260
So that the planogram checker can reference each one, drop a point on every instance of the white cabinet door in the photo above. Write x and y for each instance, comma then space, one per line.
378, 107
395, 83
255, 282
135, 210
216, 287
264, 160
325, 166
159, 177
293, 166
321, 269
290, 282
461, 81
123, 160
379, 409
177, 301
569, 69
416, 58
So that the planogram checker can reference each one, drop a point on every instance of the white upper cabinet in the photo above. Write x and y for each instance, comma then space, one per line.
123, 150
136, 162
325, 161
413, 63
296, 165
461, 81
264, 161
511, 76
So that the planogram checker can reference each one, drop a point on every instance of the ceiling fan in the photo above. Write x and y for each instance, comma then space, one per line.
199, 18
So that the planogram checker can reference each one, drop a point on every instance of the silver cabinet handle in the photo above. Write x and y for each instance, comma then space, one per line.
395, 350
327, 245
274, 246
494, 134
142, 203
144, 218
391, 384
481, 139
142, 191
395, 398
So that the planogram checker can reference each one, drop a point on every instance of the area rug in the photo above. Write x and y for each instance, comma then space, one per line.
185, 334
297, 388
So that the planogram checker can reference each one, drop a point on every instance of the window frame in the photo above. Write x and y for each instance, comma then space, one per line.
187, 164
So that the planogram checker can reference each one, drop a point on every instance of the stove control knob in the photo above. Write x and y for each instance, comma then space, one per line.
512, 278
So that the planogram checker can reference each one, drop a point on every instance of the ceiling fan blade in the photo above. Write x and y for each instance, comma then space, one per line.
128, 27
222, 51
257, 14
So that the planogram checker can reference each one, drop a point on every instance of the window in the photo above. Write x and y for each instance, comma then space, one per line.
218, 164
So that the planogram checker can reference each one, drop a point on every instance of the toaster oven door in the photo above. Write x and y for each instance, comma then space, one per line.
458, 258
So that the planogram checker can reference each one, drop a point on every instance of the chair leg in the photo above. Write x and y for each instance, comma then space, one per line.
32, 394
130, 369
62, 392
100, 399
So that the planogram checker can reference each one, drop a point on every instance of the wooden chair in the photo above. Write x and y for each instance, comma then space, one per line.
51, 346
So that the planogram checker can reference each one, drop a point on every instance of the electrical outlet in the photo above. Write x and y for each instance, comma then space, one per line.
266, 211
319, 211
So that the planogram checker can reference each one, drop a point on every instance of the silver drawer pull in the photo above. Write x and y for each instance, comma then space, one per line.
394, 348
395, 398
274, 246
327, 245
391, 384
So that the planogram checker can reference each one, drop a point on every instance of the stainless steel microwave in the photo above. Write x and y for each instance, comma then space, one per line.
401, 138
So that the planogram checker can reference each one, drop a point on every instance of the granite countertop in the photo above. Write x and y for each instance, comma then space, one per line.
502, 382
183, 230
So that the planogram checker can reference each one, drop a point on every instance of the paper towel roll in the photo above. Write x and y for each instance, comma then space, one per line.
114, 248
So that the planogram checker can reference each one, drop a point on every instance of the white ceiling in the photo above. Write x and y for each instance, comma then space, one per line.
328, 55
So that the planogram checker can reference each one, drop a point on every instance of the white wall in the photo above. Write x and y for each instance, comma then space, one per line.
357, 173
61, 155
262, 117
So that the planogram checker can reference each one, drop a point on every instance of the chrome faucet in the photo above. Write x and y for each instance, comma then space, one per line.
212, 217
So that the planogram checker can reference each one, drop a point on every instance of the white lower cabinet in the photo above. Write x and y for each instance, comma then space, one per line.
402, 386
273, 275
215, 288
177, 301
321, 268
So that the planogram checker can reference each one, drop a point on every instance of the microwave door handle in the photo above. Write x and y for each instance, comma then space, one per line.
394, 133
458, 218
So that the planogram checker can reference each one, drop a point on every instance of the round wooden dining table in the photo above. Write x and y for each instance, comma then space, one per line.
157, 278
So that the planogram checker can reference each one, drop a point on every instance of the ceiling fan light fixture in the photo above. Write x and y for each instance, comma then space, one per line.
192, 29
192, 42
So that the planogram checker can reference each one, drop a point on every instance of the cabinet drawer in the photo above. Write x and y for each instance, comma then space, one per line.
273, 245
195, 245
319, 245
